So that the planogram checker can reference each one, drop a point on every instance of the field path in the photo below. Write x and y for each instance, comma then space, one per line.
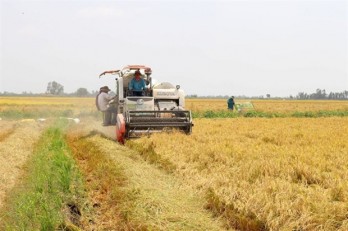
159, 200
16, 145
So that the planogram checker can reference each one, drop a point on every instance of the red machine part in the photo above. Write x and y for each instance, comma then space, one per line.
120, 128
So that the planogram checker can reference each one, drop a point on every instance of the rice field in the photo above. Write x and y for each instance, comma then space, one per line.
78, 105
280, 106
235, 173
43, 107
274, 174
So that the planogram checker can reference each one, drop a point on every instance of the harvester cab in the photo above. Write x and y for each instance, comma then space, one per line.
157, 108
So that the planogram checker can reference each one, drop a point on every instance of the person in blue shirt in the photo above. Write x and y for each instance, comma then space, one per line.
230, 103
137, 84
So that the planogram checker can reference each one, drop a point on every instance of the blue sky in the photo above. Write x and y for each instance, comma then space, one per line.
208, 47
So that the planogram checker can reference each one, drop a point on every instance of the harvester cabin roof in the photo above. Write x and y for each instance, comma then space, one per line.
127, 73
132, 68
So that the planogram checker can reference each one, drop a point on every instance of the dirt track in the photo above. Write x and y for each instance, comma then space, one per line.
16, 145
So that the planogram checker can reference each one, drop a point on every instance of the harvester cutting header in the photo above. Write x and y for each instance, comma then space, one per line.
143, 108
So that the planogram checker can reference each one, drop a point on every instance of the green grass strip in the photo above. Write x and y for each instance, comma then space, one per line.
38, 112
53, 183
260, 114
34, 113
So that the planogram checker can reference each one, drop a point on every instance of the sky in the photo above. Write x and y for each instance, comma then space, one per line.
250, 47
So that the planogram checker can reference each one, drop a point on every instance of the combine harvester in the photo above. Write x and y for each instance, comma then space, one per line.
159, 108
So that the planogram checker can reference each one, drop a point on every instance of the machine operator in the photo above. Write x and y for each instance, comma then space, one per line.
137, 84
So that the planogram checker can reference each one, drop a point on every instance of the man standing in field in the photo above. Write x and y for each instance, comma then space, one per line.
103, 104
230, 103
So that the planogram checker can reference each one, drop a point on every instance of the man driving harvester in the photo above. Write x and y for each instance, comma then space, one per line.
144, 108
137, 84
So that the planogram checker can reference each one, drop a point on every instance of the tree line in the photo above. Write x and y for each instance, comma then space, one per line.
56, 89
321, 94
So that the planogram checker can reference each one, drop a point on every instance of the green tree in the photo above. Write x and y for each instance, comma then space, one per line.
55, 88
82, 92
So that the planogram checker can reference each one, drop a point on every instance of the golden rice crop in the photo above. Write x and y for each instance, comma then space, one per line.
46, 106
277, 174
282, 106
257, 173
15, 148
87, 105
6, 129
53, 101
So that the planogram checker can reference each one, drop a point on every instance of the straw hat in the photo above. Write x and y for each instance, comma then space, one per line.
105, 88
